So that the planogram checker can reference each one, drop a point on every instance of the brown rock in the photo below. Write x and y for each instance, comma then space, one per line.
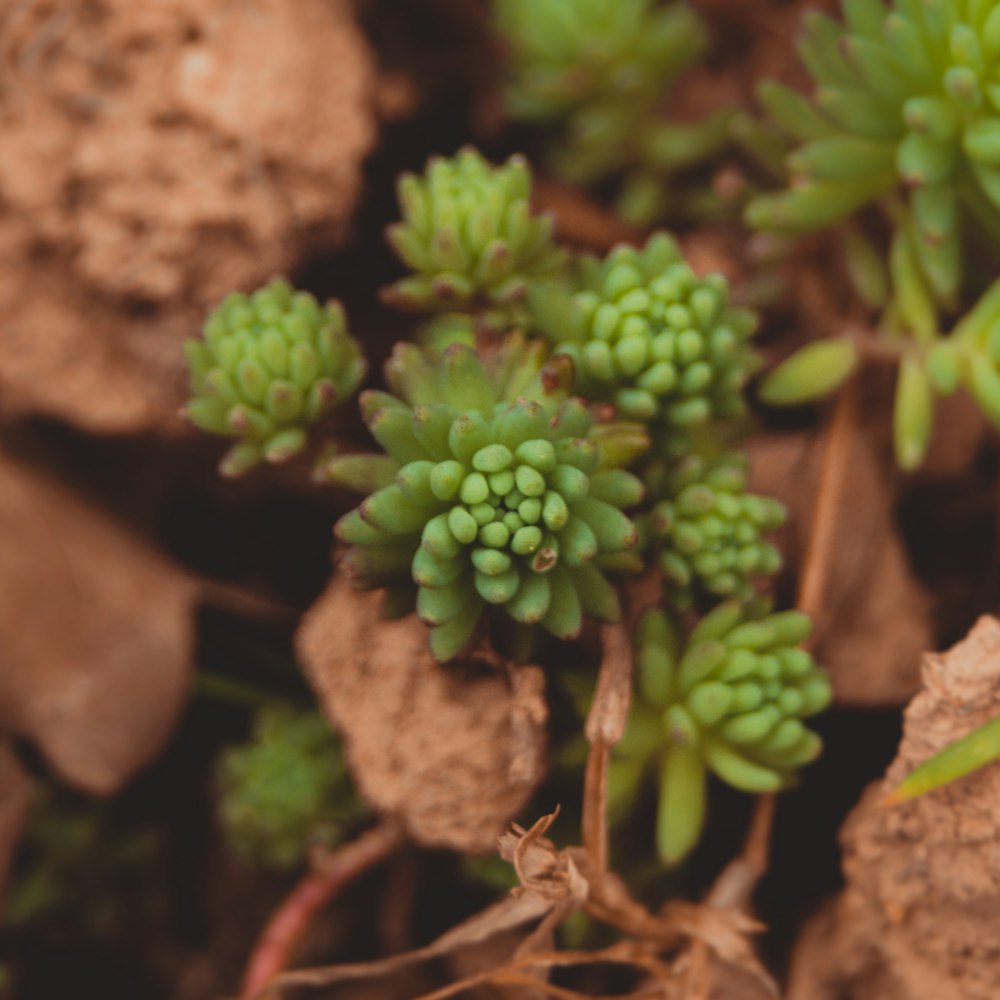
919, 916
155, 157
96, 634
452, 750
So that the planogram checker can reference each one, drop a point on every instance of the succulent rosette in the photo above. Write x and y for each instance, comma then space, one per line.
650, 336
597, 73
907, 104
730, 699
269, 365
495, 490
708, 529
469, 235
285, 788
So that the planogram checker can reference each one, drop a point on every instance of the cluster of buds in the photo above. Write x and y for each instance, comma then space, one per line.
729, 699
646, 334
470, 237
708, 528
285, 789
513, 502
269, 365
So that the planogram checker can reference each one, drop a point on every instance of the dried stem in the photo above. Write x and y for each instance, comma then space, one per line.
330, 873
605, 726
816, 565
512, 972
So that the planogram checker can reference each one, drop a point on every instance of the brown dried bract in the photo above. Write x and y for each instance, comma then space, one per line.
919, 916
452, 750
155, 157
96, 634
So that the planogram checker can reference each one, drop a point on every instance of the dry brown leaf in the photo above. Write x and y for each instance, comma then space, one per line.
874, 613
452, 750
16, 793
156, 156
919, 916
96, 634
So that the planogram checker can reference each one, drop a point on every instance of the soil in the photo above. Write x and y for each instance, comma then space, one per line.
156, 156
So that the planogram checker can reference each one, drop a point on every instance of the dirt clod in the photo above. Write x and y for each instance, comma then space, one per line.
155, 157
452, 750
919, 916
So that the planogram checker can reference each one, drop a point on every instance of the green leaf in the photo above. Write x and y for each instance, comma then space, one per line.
810, 373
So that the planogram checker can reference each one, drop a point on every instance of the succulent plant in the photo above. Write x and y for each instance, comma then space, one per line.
269, 365
930, 365
708, 530
495, 490
471, 238
648, 335
603, 69
729, 699
286, 788
907, 106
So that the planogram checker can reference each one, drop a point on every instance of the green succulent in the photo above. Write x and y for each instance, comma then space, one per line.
708, 530
495, 490
78, 862
602, 70
930, 365
269, 365
286, 788
648, 335
907, 105
471, 238
730, 699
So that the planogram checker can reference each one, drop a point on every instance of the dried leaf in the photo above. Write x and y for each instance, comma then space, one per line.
95, 633
452, 750
918, 918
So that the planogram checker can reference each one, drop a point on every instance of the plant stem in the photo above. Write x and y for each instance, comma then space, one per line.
224, 689
330, 873
816, 566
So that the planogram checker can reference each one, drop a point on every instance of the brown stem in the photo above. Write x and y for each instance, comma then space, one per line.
288, 923
735, 885
816, 565
605, 726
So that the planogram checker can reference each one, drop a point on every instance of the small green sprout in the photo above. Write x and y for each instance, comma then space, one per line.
907, 106
493, 492
601, 71
285, 789
270, 364
958, 759
471, 239
648, 335
708, 530
730, 699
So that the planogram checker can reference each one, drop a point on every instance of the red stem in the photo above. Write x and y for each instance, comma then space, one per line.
274, 947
